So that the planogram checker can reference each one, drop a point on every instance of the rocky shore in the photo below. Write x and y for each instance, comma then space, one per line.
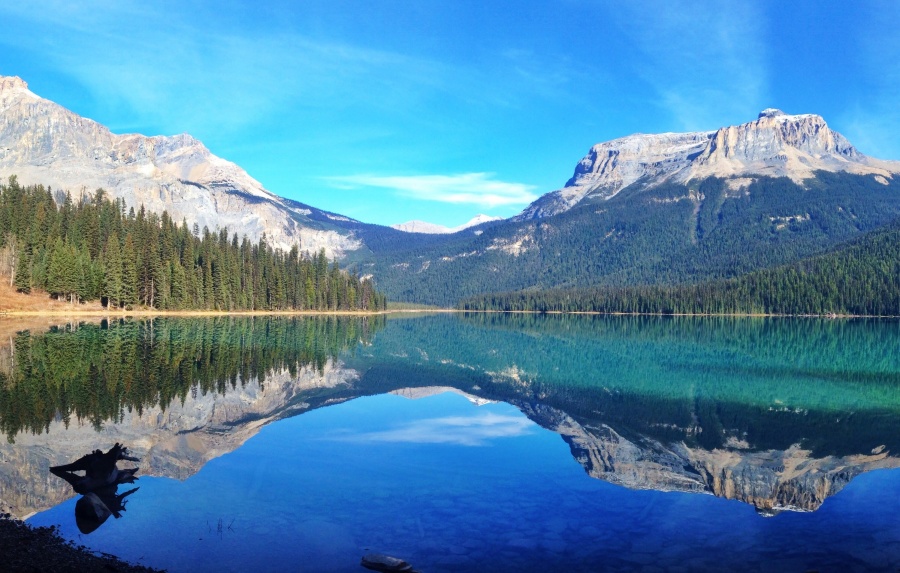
39, 549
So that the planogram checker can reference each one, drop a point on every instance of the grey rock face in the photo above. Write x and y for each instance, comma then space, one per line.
44, 143
775, 144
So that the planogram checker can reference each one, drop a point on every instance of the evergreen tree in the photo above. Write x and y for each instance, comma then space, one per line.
112, 263
159, 264
130, 287
22, 280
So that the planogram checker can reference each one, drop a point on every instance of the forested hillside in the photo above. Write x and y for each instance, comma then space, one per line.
663, 235
862, 278
100, 249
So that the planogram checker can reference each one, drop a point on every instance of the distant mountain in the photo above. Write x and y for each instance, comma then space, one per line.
775, 145
433, 229
43, 143
665, 209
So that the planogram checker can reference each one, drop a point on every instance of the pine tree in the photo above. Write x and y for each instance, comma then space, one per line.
22, 279
60, 272
129, 271
179, 293
112, 263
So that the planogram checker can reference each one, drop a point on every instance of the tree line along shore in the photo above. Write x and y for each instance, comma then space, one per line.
858, 278
99, 250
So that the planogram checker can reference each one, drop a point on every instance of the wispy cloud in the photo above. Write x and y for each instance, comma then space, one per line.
705, 61
467, 188
476, 430
160, 67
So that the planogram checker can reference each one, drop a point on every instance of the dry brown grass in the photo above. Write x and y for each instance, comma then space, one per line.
36, 312
37, 301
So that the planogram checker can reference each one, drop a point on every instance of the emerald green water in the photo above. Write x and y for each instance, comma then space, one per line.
532, 443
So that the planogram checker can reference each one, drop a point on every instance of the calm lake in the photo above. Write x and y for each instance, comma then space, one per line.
468, 442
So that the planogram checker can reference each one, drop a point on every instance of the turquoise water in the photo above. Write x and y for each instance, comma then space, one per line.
541, 444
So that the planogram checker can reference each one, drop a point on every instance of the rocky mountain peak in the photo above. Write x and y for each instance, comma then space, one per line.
770, 112
13, 89
776, 144
44, 143
12, 83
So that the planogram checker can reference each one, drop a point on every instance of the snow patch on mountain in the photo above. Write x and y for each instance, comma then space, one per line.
433, 229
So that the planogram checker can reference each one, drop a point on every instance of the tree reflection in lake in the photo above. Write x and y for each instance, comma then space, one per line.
776, 413
779, 414
96, 372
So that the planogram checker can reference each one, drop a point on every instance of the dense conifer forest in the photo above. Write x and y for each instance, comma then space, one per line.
97, 248
860, 278
669, 234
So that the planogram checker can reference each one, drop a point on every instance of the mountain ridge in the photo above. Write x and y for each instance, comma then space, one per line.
42, 142
775, 144
643, 209
660, 235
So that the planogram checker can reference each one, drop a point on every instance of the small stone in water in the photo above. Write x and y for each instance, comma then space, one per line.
379, 562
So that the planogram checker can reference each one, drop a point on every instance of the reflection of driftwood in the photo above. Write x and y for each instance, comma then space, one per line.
99, 469
98, 485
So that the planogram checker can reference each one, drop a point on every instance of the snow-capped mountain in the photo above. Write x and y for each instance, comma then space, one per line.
775, 144
41, 142
433, 229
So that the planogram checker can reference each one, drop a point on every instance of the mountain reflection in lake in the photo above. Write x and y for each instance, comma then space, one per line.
778, 414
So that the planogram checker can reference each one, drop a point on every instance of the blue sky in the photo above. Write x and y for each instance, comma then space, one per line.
437, 110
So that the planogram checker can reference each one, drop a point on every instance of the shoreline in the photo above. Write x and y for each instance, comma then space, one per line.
688, 314
163, 313
145, 313
27, 548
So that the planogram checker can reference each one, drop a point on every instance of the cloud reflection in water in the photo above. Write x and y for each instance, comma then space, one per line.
475, 430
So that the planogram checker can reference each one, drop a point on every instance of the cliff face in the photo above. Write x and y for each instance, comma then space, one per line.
173, 442
43, 143
770, 481
775, 144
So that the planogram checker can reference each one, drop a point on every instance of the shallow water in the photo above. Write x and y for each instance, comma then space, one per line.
487, 443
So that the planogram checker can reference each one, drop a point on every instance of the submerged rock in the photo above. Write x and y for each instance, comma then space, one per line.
379, 562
